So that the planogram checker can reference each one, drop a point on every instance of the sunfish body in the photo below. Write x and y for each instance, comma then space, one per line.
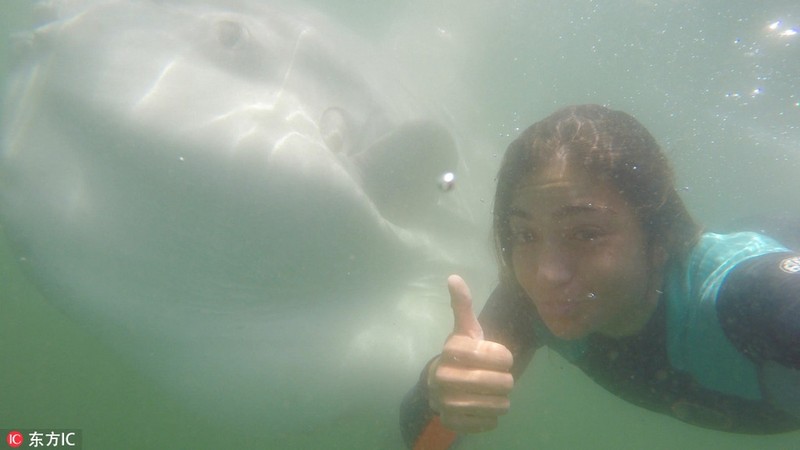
237, 198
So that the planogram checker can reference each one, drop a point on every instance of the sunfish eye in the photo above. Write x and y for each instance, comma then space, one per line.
447, 181
230, 33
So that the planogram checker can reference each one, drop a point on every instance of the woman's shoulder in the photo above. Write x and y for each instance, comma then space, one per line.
696, 280
695, 339
715, 254
736, 243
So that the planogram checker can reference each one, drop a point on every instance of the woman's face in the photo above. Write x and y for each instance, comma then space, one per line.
579, 253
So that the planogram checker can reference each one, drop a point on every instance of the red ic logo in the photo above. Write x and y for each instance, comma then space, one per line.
14, 439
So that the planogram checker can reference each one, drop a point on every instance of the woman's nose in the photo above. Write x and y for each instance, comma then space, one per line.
554, 266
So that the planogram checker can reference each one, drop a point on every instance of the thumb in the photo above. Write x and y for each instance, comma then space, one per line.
464, 321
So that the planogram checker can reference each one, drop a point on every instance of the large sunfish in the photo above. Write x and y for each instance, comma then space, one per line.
246, 202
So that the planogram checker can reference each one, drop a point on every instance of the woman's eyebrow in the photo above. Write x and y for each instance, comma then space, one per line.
574, 210
564, 211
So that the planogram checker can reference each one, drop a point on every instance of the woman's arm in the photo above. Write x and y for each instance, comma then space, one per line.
759, 309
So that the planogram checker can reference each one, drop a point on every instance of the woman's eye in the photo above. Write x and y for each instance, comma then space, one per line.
587, 234
523, 237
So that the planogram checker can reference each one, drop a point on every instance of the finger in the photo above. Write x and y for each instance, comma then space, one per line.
468, 424
464, 321
468, 352
484, 382
474, 405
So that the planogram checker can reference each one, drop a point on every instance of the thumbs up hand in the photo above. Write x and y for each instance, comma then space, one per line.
470, 381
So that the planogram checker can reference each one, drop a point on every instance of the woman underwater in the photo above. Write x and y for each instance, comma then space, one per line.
600, 261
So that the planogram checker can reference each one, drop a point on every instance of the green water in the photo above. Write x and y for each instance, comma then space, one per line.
707, 78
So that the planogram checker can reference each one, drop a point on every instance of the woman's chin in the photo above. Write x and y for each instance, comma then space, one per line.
567, 330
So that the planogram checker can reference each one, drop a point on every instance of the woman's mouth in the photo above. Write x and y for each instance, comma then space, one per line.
568, 305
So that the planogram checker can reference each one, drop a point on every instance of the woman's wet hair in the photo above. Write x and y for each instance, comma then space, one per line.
611, 146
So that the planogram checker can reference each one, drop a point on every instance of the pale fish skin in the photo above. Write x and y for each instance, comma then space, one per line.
243, 201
